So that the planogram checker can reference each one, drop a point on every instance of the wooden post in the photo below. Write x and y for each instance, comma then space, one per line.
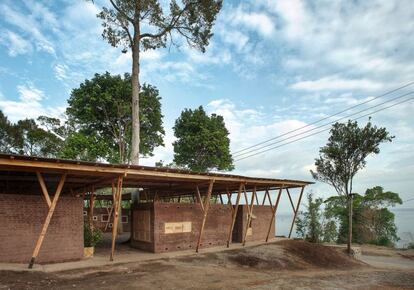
221, 199
200, 201
274, 212
249, 215
257, 200
44, 188
234, 214
47, 220
290, 198
265, 195
118, 199
205, 211
91, 204
296, 211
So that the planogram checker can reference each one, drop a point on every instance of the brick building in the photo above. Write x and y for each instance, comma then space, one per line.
42, 207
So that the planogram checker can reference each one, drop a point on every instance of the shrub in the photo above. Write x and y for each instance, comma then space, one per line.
410, 245
91, 236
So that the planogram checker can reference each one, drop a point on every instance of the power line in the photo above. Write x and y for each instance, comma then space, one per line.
298, 139
325, 118
323, 125
410, 199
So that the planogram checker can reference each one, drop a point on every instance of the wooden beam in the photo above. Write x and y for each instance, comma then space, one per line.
44, 188
234, 214
200, 201
133, 172
205, 211
47, 220
296, 211
249, 215
117, 205
221, 199
274, 213
257, 200
91, 205
265, 195
290, 198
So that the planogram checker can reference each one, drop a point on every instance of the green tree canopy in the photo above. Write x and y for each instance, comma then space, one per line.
26, 137
100, 110
202, 141
151, 24
372, 222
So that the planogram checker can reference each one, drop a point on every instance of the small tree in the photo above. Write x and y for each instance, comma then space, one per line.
309, 222
202, 141
142, 25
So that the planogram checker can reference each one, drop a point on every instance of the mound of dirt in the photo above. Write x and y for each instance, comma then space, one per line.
318, 255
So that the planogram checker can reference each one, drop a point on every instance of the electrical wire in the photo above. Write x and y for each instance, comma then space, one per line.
303, 137
325, 118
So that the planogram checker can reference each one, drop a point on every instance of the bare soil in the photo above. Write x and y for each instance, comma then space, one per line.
282, 265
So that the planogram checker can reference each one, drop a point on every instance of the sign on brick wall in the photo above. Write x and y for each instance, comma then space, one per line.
174, 228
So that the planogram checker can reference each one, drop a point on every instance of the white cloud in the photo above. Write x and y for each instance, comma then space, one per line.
16, 44
61, 71
259, 22
29, 26
336, 83
29, 104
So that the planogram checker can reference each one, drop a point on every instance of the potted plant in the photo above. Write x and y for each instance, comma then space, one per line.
91, 237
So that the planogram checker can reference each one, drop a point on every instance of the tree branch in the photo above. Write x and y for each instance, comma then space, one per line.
122, 12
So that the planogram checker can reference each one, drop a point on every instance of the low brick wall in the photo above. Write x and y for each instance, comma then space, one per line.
22, 217
163, 227
262, 215
101, 216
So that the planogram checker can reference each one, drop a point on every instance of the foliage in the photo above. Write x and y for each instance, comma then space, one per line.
372, 220
100, 113
410, 246
202, 141
193, 20
330, 232
308, 223
26, 137
345, 153
91, 236
124, 24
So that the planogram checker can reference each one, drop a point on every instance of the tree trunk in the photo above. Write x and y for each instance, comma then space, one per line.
135, 96
349, 223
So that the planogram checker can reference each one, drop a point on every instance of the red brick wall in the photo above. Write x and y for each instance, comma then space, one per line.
22, 217
100, 214
215, 231
260, 224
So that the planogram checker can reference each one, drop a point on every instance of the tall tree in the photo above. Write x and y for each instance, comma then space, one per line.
344, 155
100, 109
6, 139
202, 141
142, 25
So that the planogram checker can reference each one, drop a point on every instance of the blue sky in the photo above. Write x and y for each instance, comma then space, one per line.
272, 66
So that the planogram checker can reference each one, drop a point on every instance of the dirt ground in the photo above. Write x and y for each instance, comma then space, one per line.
282, 265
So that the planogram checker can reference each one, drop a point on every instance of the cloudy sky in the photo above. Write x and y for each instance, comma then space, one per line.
271, 67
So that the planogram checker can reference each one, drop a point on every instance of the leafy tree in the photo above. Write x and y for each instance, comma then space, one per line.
308, 223
142, 25
372, 220
344, 155
100, 110
202, 141
6, 139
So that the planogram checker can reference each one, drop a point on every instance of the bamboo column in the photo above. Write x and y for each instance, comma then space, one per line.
234, 214
249, 215
118, 199
274, 213
296, 211
205, 211
48, 217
